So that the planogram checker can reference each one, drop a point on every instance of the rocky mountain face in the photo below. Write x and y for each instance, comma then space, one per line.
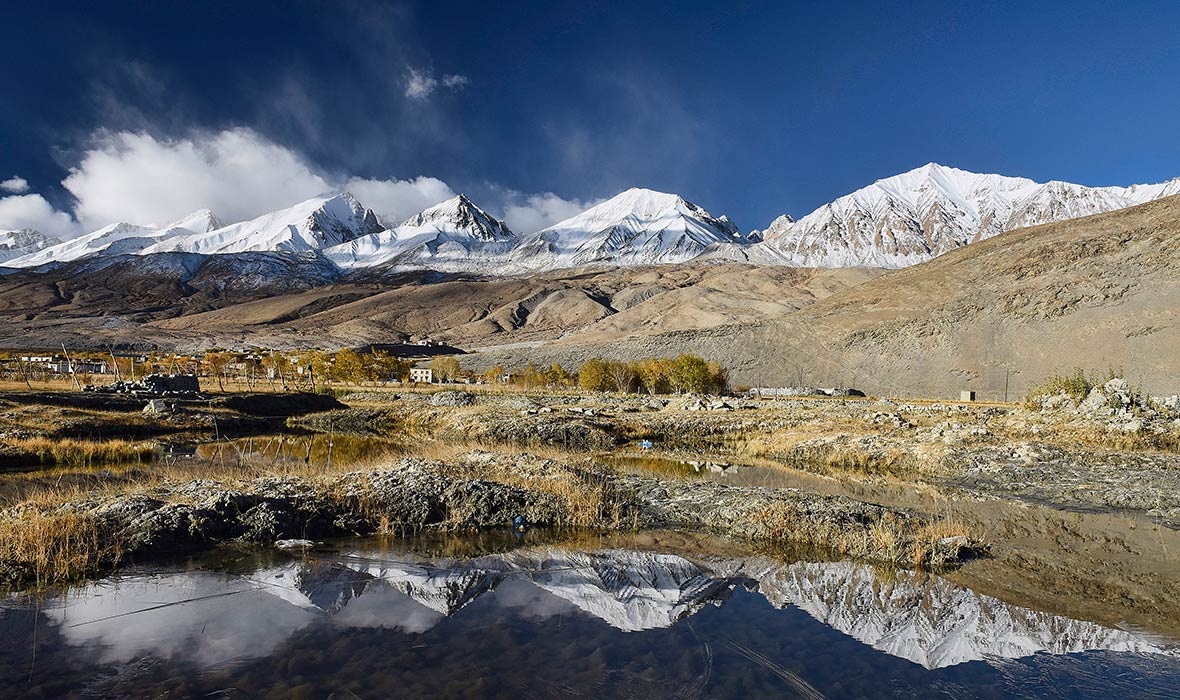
453, 236
997, 317
915, 216
26, 241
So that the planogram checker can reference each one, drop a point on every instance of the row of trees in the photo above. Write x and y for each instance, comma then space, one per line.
656, 375
310, 370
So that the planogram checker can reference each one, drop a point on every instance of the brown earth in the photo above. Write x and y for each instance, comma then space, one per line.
86, 309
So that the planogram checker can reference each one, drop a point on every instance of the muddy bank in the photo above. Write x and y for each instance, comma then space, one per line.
480, 490
1078, 479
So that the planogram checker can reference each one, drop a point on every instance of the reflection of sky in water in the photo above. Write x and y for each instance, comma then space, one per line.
217, 618
613, 622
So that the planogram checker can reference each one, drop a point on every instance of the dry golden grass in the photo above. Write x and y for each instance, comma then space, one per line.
78, 453
890, 539
1099, 436
55, 545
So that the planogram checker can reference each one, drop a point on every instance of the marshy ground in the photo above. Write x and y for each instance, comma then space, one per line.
1050, 509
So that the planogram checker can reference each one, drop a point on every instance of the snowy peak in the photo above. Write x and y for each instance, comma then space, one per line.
115, 239
635, 227
15, 244
917, 215
200, 221
455, 235
460, 215
311, 225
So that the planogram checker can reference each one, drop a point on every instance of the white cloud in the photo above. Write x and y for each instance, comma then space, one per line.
420, 83
398, 200
15, 184
526, 214
237, 173
32, 211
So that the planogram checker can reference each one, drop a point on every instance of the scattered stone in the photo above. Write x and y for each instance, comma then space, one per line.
452, 398
895, 419
181, 386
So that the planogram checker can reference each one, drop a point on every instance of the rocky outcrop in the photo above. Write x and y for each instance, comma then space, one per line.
1114, 405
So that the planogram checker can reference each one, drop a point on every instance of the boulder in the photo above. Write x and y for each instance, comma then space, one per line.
158, 407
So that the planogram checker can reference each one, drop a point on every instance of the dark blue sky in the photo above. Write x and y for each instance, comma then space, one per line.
749, 109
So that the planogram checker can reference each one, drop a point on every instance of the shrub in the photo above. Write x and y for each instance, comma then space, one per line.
1076, 385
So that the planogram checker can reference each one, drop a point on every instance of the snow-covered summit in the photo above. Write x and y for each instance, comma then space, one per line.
458, 215
635, 227
455, 235
311, 225
15, 244
200, 221
917, 215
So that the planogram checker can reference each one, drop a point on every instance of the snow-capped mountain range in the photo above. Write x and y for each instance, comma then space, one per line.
895, 222
118, 239
913, 217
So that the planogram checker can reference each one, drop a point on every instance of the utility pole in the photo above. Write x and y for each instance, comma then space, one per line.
1005, 385
70, 366
115, 363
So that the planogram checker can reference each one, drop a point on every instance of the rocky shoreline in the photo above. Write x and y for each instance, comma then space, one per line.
414, 494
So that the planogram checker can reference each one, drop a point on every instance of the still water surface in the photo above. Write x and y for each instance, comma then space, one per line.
531, 618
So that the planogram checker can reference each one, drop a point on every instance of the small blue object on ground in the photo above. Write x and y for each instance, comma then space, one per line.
644, 444
520, 524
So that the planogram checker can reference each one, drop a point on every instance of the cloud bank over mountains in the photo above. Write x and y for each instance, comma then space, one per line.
139, 178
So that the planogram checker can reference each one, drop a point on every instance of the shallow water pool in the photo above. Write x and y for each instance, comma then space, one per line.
529, 618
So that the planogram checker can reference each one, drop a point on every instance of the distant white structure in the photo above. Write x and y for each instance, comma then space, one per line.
422, 375
966, 395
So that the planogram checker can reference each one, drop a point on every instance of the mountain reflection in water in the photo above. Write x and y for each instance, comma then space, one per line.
539, 621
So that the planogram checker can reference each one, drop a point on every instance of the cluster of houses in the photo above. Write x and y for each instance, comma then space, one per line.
60, 364
239, 364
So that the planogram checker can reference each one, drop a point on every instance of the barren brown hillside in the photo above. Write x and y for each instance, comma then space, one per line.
126, 305
1100, 293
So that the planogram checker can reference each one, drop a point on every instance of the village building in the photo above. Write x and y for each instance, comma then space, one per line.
422, 375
